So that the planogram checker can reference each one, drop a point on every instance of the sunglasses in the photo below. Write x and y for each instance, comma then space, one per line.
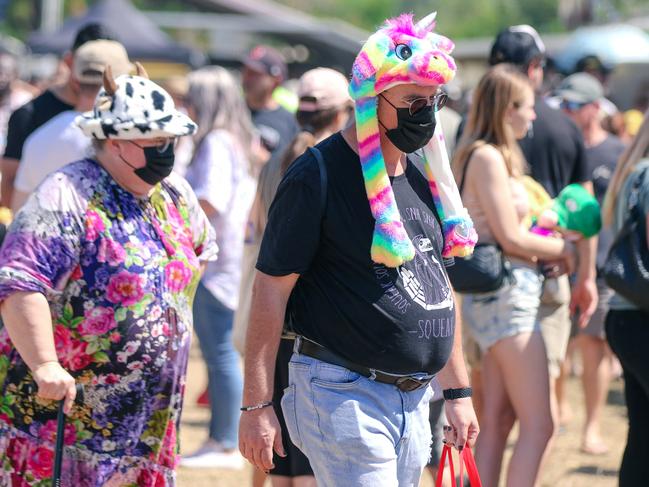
572, 106
437, 101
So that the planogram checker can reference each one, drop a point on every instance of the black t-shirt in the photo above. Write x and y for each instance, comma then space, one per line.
28, 118
277, 128
396, 320
602, 160
554, 150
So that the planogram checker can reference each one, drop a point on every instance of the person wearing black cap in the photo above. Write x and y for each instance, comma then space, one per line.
594, 66
36, 112
264, 69
554, 150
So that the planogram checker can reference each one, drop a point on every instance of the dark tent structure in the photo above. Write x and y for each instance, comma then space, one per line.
331, 42
141, 37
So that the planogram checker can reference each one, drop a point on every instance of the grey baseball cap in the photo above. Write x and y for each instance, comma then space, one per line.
580, 88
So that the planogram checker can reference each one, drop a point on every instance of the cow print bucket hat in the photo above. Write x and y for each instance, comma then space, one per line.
134, 107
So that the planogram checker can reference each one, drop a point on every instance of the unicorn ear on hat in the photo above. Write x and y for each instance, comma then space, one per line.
366, 65
459, 235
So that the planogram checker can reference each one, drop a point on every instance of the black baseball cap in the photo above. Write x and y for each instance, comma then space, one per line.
93, 31
518, 44
267, 60
592, 63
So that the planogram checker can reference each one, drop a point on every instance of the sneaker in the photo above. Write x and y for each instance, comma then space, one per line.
212, 455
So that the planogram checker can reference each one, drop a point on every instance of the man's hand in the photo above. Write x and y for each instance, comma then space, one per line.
584, 297
463, 423
259, 435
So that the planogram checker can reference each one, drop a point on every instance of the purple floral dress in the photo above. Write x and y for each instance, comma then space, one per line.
119, 274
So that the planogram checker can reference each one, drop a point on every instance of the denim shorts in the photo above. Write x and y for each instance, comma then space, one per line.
509, 311
353, 430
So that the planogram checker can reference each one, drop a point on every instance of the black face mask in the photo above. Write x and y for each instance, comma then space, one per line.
413, 131
159, 163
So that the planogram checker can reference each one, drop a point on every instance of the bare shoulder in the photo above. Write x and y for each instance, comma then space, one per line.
486, 153
487, 159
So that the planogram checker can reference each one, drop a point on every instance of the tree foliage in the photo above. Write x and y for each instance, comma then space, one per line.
468, 18
457, 18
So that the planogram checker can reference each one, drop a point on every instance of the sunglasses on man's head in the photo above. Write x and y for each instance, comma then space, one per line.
437, 101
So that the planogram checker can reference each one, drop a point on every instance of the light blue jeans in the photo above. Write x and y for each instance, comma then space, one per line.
213, 326
356, 432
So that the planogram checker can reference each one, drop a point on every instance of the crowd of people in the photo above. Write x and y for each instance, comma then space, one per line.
327, 250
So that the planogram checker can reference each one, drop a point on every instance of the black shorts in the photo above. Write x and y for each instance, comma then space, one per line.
295, 463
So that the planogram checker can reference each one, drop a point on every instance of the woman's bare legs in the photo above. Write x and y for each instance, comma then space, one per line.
258, 477
301, 481
596, 377
522, 361
496, 421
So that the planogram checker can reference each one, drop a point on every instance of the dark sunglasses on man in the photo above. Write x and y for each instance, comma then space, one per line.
572, 106
437, 101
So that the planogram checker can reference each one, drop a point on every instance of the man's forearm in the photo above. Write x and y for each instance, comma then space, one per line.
587, 252
454, 374
268, 307
587, 249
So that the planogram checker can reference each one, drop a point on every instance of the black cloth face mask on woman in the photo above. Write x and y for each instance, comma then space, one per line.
159, 162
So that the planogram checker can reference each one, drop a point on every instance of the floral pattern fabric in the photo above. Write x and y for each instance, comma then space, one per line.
119, 273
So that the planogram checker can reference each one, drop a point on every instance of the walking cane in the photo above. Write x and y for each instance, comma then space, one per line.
60, 436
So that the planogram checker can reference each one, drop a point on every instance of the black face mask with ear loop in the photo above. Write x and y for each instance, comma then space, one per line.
159, 164
413, 131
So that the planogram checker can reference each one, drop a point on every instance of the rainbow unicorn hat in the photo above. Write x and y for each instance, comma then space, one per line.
382, 64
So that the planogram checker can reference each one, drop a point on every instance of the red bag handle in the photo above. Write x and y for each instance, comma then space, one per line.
446, 452
471, 469
466, 460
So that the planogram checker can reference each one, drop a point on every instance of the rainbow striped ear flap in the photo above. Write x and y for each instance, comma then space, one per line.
404, 52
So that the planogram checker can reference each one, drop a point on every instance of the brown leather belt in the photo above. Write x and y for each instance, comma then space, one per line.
406, 383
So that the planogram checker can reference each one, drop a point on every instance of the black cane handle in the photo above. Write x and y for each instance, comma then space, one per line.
60, 437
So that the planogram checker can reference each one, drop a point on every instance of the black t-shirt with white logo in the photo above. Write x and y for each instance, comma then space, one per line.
396, 320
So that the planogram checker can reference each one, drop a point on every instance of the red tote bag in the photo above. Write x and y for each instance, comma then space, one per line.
466, 461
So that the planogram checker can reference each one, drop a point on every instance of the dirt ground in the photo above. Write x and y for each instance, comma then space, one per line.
566, 467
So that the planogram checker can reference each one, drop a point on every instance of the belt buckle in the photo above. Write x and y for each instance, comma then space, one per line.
409, 383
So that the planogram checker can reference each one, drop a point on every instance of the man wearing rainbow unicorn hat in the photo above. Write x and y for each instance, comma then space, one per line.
356, 243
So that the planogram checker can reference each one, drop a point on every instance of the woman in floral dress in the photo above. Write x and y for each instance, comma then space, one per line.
97, 278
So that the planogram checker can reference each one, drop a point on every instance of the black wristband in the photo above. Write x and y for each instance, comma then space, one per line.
450, 394
261, 405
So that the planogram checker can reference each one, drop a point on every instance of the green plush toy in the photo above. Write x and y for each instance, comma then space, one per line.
573, 209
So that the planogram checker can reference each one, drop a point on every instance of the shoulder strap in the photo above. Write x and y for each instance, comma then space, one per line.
634, 194
287, 332
323, 179
464, 169
635, 189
